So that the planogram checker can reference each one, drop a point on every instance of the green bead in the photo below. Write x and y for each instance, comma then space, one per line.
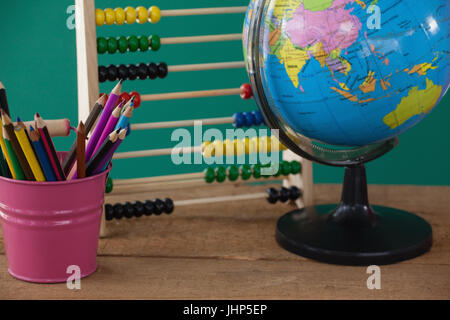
109, 185
155, 42
246, 172
133, 43
256, 171
210, 175
296, 167
112, 45
102, 45
233, 173
221, 174
123, 44
143, 43
285, 168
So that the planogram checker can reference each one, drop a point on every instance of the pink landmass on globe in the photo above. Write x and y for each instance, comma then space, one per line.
334, 27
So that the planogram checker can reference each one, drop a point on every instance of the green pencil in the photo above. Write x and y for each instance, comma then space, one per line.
12, 155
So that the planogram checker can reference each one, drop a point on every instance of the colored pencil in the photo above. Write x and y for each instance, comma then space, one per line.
110, 105
81, 151
24, 142
42, 155
104, 164
92, 118
125, 117
102, 152
12, 156
6, 152
49, 147
3, 101
7, 124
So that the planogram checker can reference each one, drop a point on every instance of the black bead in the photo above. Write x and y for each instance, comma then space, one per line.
273, 195
118, 211
162, 70
159, 206
168, 206
102, 74
132, 72
109, 212
284, 194
138, 209
152, 70
149, 207
142, 71
294, 193
112, 73
129, 210
122, 71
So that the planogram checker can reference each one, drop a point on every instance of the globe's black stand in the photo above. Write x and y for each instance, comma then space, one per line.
354, 233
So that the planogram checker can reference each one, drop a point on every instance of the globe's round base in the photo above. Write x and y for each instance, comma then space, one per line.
313, 232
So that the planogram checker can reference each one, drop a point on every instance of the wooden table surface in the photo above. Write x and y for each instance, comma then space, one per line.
227, 251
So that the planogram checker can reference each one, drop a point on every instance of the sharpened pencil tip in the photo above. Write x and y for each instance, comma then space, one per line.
37, 115
18, 119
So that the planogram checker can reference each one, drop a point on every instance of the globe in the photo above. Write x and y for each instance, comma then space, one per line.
340, 80
350, 72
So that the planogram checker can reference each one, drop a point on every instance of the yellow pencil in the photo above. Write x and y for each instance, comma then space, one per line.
22, 137
5, 152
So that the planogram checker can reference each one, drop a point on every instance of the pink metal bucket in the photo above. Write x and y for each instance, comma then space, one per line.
49, 226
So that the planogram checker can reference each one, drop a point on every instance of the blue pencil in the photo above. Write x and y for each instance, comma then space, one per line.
42, 155
125, 117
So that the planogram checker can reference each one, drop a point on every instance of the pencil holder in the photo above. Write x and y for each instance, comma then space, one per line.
49, 226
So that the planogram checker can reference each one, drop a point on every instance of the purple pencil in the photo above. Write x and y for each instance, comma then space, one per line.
105, 161
110, 104
110, 125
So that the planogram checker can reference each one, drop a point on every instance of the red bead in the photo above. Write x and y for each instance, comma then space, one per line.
246, 91
125, 96
106, 96
137, 99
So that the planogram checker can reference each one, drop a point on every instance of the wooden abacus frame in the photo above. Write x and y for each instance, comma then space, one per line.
88, 93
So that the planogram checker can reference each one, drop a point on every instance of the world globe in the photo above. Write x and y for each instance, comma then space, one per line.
340, 80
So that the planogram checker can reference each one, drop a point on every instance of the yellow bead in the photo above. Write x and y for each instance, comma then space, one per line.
228, 148
205, 144
239, 147
154, 14
218, 148
130, 14
110, 16
246, 142
264, 144
208, 151
120, 16
254, 145
142, 15
99, 17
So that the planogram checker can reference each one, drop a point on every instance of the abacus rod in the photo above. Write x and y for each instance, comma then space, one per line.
200, 39
202, 11
207, 66
251, 196
191, 94
156, 152
181, 123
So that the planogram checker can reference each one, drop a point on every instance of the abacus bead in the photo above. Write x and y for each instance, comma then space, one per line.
137, 99
210, 175
155, 42
149, 207
102, 45
159, 206
118, 211
284, 194
154, 14
221, 174
238, 120
112, 45
294, 193
138, 209
109, 212
259, 120
143, 43
162, 70
122, 44
110, 16
168, 206
120, 16
272, 195
102, 74
249, 119
99, 17
296, 167
133, 43
125, 96
285, 168
152, 70
109, 185
112, 72
130, 14
142, 14
132, 72
246, 172
246, 91
256, 171
142, 71
233, 173
129, 210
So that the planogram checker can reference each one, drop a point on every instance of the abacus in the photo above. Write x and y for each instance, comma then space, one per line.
295, 171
